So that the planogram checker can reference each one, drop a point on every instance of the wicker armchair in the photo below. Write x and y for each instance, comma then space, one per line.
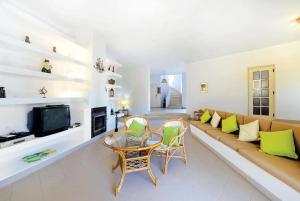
176, 143
141, 119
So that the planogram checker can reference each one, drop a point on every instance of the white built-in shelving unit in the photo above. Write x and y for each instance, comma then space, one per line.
22, 45
113, 86
112, 74
12, 166
32, 101
115, 76
31, 73
12, 41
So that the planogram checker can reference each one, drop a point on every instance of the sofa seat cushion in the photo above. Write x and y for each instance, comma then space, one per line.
215, 133
287, 170
232, 141
203, 127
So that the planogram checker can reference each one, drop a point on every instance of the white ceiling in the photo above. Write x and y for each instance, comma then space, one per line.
167, 34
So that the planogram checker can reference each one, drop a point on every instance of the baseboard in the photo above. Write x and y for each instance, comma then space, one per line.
269, 185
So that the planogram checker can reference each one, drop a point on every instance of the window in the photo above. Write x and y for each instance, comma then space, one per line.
261, 91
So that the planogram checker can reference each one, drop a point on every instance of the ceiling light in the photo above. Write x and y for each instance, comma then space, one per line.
298, 20
164, 81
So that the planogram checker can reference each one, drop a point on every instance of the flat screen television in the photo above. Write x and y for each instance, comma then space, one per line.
50, 119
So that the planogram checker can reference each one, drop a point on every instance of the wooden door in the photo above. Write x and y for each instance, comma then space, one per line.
261, 92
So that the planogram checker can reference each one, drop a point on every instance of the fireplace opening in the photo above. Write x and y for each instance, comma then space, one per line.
98, 118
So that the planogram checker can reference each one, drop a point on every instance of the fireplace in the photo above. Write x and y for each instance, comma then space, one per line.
98, 119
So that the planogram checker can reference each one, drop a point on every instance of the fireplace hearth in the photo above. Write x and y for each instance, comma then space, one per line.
98, 118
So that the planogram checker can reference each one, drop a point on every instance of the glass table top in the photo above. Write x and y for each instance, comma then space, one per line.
129, 140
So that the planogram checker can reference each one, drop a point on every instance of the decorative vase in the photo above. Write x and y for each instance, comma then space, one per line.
111, 93
111, 81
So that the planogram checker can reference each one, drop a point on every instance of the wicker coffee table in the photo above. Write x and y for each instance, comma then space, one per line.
134, 152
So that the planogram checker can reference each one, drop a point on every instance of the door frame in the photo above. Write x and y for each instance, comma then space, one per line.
270, 68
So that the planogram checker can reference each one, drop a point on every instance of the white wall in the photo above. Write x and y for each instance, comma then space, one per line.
227, 80
136, 87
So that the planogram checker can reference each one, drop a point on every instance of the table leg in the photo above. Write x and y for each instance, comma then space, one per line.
123, 170
115, 166
118, 188
153, 178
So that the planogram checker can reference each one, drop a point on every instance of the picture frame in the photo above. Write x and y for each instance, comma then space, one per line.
204, 87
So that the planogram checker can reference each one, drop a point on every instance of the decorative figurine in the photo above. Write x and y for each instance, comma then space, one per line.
2, 92
46, 66
111, 93
99, 65
113, 70
109, 67
43, 92
27, 39
54, 49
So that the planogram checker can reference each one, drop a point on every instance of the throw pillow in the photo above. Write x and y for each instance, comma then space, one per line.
249, 132
205, 117
215, 120
230, 125
136, 126
169, 132
278, 143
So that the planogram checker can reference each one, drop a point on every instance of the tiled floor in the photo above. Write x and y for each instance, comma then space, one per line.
86, 175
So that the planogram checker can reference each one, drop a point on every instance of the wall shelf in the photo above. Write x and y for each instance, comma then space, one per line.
108, 62
32, 101
12, 165
113, 86
112, 74
36, 49
37, 74
114, 98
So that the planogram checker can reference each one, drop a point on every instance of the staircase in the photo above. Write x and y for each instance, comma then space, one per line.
175, 99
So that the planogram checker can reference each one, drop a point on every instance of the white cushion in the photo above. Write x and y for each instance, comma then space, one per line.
249, 132
215, 120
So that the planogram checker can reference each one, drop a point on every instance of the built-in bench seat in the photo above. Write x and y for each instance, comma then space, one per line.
285, 169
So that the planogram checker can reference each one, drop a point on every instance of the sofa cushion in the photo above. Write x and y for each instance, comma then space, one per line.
281, 125
233, 142
239, 117
284, 169
203, 127
215, 121
230, 124
278, 143
205, 117
264, 123
222, 114
216, 133
249, 132
211, 111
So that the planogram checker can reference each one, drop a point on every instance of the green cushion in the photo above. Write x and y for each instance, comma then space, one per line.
135, 125
230, 125
169, 132
205, 117
279, 143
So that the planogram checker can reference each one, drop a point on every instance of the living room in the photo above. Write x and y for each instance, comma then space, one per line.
86, 104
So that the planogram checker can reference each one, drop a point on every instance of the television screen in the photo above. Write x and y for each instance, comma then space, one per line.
50, 119
55, 118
